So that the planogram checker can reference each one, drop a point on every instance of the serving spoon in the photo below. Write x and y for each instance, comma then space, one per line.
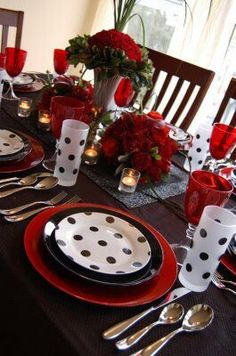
171, 314
46, 183
22, 182
197, 318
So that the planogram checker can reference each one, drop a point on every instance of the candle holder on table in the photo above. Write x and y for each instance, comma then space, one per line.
129, 180
44, 120
91, 153
24, 107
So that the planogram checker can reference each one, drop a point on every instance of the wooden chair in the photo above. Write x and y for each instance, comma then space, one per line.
229, 94
199, 80
11, 18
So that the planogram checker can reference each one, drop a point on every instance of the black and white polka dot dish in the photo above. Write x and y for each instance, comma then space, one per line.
19, 155
152, 252
107, 244
10, 143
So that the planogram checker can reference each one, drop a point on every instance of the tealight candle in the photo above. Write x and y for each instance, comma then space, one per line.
91, 153
129, 180
24, 107
44, 120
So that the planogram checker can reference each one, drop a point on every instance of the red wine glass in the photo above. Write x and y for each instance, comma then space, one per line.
222, 143
63, 107
15, 61
60, 61
204, 188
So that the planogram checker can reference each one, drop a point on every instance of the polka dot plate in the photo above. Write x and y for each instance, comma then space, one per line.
30, 160
6, 159
10, 143
84, 290
132, 239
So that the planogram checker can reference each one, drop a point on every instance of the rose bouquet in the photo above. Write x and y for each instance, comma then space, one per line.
140, 142
113, 53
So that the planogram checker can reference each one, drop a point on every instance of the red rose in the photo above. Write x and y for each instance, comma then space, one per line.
155, 115
110, 147
117, 40
141, 161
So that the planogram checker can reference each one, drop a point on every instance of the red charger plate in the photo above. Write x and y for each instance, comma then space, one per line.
229, 262
35, 156
87, 291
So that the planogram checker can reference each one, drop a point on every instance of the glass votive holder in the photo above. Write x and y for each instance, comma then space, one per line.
129, 180
24, 107
44, 120
91, 153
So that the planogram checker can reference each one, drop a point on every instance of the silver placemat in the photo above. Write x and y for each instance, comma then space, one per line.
175, 184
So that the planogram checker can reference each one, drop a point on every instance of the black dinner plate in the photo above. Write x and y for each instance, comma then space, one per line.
143, 275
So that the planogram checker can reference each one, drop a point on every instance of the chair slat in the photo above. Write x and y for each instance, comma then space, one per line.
162, 91
175, 93
183, 103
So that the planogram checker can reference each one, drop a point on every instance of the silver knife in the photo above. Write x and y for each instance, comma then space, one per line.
39, 174
119, 328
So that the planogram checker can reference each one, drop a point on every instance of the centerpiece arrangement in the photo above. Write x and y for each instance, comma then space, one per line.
140, 142
112, 55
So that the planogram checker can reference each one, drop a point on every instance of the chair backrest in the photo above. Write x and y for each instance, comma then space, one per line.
194, 81
11, 18
229, 94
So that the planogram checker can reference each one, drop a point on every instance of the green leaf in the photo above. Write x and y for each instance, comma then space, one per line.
154, 153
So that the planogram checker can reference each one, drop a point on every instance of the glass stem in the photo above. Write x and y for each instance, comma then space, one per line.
190, 231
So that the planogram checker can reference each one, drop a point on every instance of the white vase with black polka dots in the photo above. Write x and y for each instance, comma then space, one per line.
216, 228
70, 149
199, 149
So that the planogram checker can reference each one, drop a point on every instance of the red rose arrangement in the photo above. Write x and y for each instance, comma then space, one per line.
141, 142
67, 86
114, 53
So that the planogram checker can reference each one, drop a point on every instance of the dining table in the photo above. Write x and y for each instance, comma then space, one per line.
37, 318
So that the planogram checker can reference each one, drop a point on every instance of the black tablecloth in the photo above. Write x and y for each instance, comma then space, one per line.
38, 319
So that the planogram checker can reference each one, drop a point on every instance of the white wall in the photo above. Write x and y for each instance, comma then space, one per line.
49, 24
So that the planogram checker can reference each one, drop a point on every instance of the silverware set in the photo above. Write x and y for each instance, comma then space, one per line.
197, 318
220, 283
14, 214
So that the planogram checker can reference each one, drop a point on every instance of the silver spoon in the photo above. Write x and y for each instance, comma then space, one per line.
22, 182
197, 318
46, 183
171, 314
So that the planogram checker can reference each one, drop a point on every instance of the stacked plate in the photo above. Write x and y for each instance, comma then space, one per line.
92, 252
181, 137
18, 151
103, 246
13, 146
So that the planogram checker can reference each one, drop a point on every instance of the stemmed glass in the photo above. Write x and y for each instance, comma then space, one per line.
222, 143
15, 61
60, 61
204, 188
124, 94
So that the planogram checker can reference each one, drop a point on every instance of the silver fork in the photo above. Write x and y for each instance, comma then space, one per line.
221, 278
221, 285
23, 216
50, 202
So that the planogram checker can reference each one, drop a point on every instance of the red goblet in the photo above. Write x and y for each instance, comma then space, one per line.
222, 142
60, 61
124, 93
15, 61
204, 188
62, 108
